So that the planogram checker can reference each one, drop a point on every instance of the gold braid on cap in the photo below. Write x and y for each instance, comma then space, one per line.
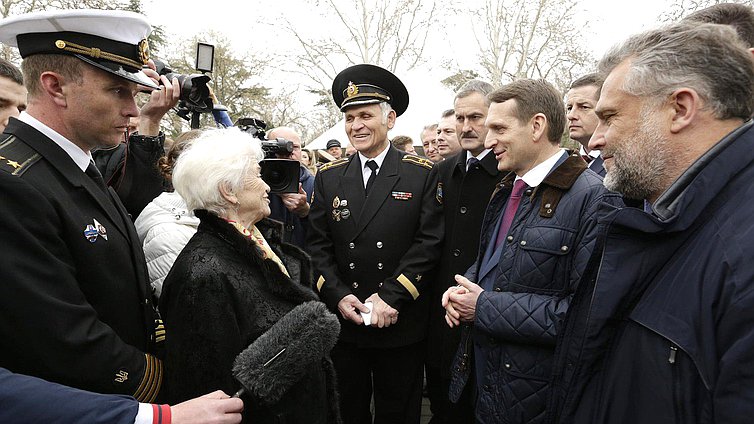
99, 54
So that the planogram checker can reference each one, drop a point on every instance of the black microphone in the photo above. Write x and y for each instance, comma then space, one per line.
286, 352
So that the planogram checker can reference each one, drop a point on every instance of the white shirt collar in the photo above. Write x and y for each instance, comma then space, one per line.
536, 175
379, 159
365, 171
80, 158
594, 154
479, 157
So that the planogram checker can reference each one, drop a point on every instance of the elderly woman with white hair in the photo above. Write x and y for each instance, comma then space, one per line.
233, 281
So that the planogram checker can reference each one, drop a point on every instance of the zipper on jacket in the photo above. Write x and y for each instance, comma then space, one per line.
673, 352
675, 347
676, 382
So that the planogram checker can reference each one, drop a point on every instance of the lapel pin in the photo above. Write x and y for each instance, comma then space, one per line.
336, 202
92, 231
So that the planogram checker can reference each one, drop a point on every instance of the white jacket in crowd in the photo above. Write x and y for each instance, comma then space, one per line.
164, 228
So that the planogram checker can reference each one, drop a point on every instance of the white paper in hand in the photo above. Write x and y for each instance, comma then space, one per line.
367, 316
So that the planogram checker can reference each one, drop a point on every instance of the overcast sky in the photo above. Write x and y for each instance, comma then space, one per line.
257, 26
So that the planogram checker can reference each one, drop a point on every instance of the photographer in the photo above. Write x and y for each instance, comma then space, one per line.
132, 164
293, 208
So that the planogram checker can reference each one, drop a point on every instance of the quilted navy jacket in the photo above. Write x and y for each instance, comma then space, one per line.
662, 330
516, 324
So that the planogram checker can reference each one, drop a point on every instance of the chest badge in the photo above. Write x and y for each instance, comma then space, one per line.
95, 230
401, 195
340, 209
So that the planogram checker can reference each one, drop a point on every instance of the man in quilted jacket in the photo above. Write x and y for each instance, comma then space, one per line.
537, 235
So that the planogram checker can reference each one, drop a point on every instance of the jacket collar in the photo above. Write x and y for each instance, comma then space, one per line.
562, 176
707, 176
296, 287
488, 163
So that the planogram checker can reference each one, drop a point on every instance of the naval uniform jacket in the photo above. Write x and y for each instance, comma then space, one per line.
386, 243
75, 304
465, 195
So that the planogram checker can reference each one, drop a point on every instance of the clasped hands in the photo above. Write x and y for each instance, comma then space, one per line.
383, 315
460, 301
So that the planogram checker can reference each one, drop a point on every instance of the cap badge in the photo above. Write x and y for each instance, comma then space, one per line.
144, 51
352, 89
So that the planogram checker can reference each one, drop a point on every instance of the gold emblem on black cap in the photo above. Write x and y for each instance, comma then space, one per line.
352, 89
144, 51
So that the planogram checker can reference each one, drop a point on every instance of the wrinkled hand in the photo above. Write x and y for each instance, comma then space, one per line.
350, 308
383, 315
460, 301
160, 102
215, 407
296, 202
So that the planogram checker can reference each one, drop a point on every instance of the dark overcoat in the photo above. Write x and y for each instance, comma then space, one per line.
219, 297
465, 195
75, 302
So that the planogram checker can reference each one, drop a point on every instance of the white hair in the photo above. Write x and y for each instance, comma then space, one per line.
215, 159
385, 108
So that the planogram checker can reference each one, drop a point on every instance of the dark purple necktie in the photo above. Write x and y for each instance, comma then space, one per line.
510, 210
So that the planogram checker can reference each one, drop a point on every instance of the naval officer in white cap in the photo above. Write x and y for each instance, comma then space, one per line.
75, 299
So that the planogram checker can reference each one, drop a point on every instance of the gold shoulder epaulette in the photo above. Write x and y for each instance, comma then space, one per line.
16, 157
334, 164
416, 160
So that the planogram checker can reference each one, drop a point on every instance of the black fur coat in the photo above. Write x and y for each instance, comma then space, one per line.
218, 298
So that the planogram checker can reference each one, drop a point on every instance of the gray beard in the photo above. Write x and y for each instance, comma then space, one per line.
640, 168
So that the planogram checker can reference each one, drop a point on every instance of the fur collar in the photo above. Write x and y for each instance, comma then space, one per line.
296, 288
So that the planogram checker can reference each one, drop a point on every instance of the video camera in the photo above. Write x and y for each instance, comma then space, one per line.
279, 171
194, 90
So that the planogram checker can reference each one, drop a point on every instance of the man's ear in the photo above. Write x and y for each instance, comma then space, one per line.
685, 104
54, 86
391, 120
538, 126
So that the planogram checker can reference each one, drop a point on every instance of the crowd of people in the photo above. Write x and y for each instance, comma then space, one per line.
509, 279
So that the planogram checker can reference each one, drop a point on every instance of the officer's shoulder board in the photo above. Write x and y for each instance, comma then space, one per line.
416, 160
334, 164
15, 156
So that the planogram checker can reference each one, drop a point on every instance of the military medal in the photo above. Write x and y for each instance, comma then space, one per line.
336, 202
402, 195
336, 215
92, 231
